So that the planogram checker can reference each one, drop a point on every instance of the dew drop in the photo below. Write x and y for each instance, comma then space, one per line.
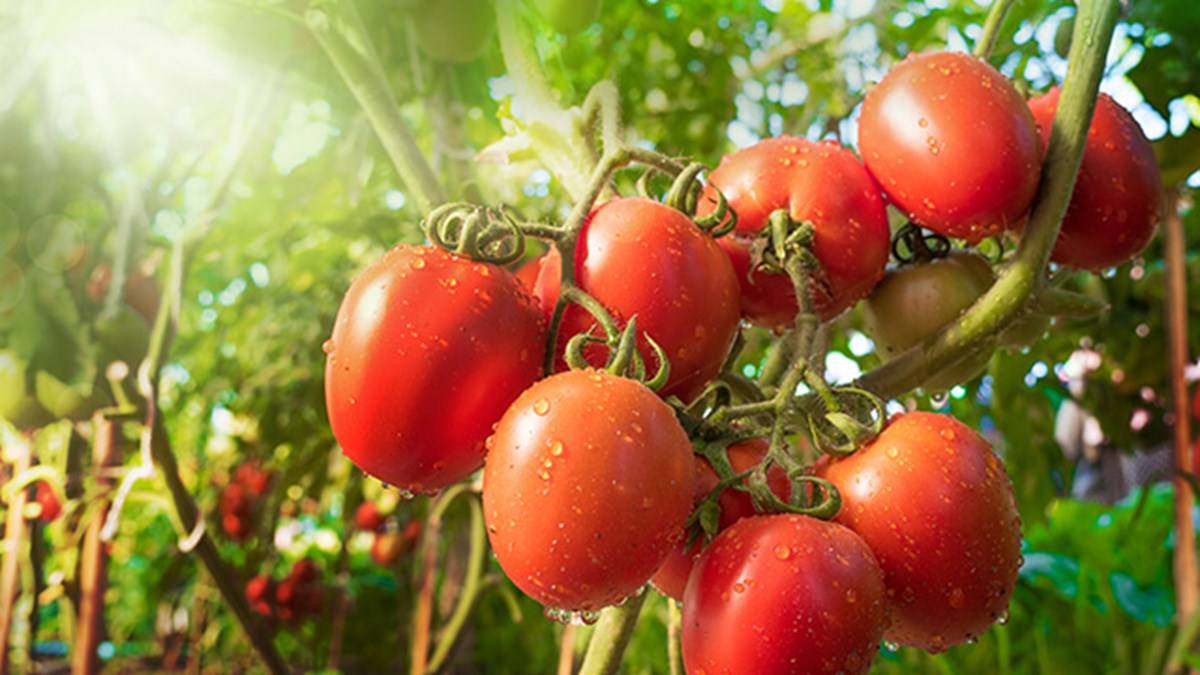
327, 346
783, 552
417, 263
541, 406
556, 448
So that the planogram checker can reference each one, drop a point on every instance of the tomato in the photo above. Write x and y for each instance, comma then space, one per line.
259, 592
913, 302
298, 596
952, 143
388, 547
18, 405
47, 499
528, 272
367, 517
237, 511
428, 350
252, 477
454, 31
1116, 202
640, 257
784, 594
822, 183
672, 577
568, 16
587, 487
933, 502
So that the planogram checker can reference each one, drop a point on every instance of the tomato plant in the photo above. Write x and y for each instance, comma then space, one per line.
784, 594
952, 144
427, 351
588, 482
568, 16
642, 258
820, 183
1118, 193
935, 505
671, 578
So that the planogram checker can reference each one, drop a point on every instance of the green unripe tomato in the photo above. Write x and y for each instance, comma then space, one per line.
17, 403
568, 16
454, 31
913, 302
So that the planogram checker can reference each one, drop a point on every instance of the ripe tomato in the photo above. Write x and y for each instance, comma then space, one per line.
259, 592
784, 594
428, 350
933, 502
48, 500
568, 16
528, 272
587, 487
821, 183
640, 257
388, 547
672, 577
367, 517
915, 301
1117, 196
952, 143
454, 31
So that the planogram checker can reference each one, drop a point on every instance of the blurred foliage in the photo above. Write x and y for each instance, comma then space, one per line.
127, 117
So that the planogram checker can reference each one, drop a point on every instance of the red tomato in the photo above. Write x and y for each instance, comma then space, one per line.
388, 547
259, 592
428, 350
952, 143
51, 507
672, 577
367, 517
1115, 204
821, 183
528, 272
253, 478
640, 257
587, 487
784, 594
933, 502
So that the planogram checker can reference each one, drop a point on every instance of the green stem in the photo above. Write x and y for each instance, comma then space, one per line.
674, 657
470, 591
345, 41
991, 28
611, 637
1017, 284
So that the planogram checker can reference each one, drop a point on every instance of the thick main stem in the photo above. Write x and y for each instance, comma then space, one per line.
93, 559
345, 41
1004, 301
611, 637
1187, 577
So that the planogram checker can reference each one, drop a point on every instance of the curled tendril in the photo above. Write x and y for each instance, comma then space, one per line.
477, 232
995, 252
685, 190
624, 358
644, 185
853, 417
912, 244
684, 196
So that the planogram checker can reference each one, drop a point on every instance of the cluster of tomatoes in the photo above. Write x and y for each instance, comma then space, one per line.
388, 543
436, 362
241, 500
292, 599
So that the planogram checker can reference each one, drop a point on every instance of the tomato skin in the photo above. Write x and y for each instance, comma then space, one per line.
784, 594
913, 302
1116, 203
529, 270
428, 350
260, 592
454, 31
51, 507
671, 578
640, 257
935, 505
367, 517
952, 143
587, 486
818, 182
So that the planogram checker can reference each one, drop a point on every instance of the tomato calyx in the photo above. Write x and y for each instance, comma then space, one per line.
624, 359
476, 232
684, 196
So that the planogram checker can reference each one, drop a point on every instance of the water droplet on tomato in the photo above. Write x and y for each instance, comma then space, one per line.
556, 448
416, 263
541, 406
327, 346
783, 552
957, 598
